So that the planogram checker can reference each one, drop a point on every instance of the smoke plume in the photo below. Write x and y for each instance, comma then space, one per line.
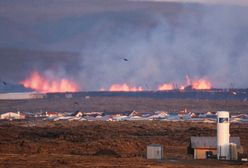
120, 41
211, 43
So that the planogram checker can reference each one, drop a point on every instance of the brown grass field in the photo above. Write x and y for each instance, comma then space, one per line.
119, 104
106, 144
110, 144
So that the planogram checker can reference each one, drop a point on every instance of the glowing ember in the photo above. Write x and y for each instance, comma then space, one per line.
201, 84
165, 87
40, 83
124, 88
181, 87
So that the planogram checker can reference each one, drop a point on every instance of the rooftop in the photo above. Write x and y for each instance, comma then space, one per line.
210, 142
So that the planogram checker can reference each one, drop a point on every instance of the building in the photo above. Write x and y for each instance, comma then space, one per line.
12, 115
206, 147
22, 96
155, 151
53, 114
223, 135
78, 114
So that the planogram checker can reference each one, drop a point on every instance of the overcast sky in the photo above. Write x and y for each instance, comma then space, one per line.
223, 2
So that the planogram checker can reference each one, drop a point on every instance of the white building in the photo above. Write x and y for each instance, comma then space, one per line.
53, 114
12, 115
223, 135
22, 96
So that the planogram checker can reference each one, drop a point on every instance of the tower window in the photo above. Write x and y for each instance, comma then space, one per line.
223, 120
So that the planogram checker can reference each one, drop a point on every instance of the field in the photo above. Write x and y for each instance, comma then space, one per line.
105, 144
121, 103
39, 143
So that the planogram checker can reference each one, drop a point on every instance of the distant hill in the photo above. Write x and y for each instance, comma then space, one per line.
17, 64
6, 87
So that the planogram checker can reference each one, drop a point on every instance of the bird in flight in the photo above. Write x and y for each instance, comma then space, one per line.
4, 83
125, 59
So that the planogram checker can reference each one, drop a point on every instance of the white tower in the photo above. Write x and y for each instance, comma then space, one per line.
223, 136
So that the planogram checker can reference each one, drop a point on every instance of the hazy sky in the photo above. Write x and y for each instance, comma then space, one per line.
225, 2
64, 25
163, 42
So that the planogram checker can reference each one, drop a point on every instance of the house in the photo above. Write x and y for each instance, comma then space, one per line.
62, 118
239, 118
158, 115
173, 116
104, 118
164, 113
22, 96
208, 115
119, 117
12, 115
93, 113
206, 147
134, 113
78, 114
53, 114
135, 118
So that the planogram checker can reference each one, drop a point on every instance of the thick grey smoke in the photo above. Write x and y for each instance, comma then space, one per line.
213, 45
162, 41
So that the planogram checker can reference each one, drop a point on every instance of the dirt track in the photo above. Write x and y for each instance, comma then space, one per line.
104, 144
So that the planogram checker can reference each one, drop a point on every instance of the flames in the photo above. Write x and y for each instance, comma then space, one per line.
43, 84
125, 88
166, 86
201, 84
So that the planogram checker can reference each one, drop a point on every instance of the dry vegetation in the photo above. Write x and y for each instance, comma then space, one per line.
109, 144
117, 104
104, 144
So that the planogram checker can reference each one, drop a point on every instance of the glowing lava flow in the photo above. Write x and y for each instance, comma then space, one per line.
166, 86
40, 83
124, 88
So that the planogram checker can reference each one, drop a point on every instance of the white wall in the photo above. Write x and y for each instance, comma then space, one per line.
21, 96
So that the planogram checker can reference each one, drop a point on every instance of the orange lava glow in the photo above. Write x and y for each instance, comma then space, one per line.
201, 84
124, 88
42, 84
166, 86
